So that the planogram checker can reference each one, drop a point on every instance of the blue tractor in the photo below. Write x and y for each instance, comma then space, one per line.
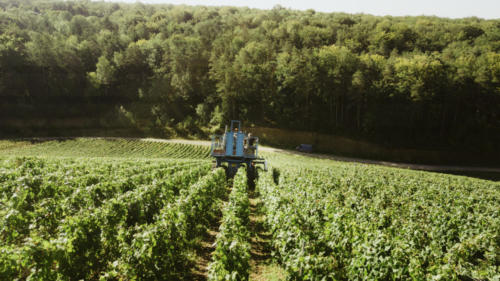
236, 149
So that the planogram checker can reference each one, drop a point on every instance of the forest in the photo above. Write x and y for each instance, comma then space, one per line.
165, 70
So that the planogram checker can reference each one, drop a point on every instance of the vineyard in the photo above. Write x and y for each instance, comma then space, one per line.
116, 209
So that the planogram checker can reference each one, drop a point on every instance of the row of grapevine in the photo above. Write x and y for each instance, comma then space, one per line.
161, 250
115, 218
232, 253
364, 223
36, 194
92, 220
122, 148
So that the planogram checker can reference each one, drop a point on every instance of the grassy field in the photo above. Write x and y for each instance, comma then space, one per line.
132, 209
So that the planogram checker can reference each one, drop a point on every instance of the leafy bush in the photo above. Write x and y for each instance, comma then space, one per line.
232, 253
67, 219
352, 222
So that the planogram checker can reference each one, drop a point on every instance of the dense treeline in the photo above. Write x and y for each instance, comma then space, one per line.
404, 81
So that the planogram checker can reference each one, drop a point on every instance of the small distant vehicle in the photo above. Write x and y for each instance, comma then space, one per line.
236, 148
305, 148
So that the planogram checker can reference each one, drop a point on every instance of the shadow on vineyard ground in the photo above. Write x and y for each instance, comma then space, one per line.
260, 238
262, 266
204, 253
487, 173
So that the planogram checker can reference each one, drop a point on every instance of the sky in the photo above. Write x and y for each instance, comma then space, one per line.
488, 9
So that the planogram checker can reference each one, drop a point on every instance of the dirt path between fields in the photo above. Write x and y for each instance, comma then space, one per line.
262, 265
207, 247
432, 168
204, 254
260, 240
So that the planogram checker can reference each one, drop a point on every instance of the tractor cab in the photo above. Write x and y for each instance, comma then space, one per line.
236, 149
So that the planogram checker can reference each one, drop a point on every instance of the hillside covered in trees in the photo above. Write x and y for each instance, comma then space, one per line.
161, 70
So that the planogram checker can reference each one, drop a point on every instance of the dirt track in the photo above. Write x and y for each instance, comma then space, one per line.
433, 168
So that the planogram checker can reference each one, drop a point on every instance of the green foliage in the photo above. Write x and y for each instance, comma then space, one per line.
104, 73
113, 148
104, 218
232, 247
407, 81
117, 215
333, 221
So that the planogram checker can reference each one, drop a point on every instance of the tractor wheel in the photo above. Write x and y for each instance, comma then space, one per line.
226, 170
251, 176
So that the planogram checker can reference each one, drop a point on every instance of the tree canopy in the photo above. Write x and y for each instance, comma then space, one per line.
401, 81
